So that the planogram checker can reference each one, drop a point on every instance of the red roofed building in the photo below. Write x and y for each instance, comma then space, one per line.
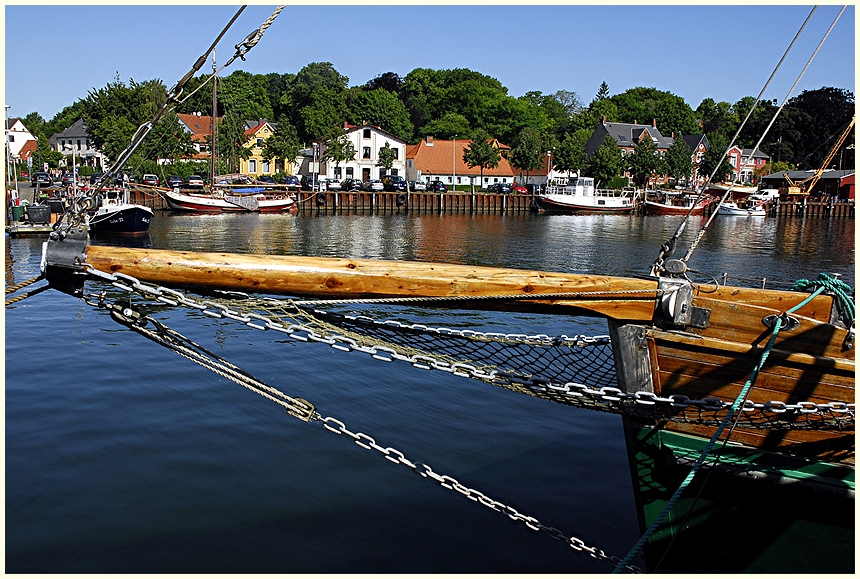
200, 128
430, 160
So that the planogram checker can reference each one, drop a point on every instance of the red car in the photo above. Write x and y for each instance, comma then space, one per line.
517, 188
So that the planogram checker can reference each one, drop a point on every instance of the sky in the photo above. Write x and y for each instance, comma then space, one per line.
55, 54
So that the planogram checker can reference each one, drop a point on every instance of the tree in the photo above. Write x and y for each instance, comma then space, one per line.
679, 159
643, 105
386, 158
605, 163
714, 161
645, 161
528, 151
447, 127
283, 146
316, 100
570, 155
389, 81
571, 102
380, 108
340, 149
167, 141
481, 153
603, 91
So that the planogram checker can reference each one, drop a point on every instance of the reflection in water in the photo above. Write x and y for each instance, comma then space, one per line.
141, 240
10, 275
622, 245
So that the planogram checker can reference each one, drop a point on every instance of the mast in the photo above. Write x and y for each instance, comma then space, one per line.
214, 124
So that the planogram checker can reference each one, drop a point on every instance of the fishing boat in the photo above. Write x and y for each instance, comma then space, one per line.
578, 195
221, 201
750, 208
116, 215
677, 203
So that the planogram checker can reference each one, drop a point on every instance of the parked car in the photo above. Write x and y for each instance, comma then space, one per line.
94, 178
266, 179
417, 186
119, 178
393, 183
519, 188
333, 184
499, 188
291, 181
42, 178
150, 179
310, 183
374, 185
68, 179
351, 185
437, 186
174, 181
194, 181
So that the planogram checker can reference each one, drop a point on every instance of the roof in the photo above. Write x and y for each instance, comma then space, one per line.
626, 135
28, 149
77, 130
199, 125
693, 141
254, 127
801, 175
440, 157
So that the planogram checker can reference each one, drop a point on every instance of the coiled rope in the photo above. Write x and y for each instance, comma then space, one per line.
841, 291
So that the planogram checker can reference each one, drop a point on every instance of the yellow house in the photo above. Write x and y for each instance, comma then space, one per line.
256, 165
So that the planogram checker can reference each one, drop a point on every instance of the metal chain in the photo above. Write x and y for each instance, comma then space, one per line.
834, 415
305, 411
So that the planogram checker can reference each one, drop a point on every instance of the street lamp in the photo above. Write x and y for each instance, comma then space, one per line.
548, 166
74, 172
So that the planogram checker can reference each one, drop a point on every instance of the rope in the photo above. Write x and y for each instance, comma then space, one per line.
844, 304
703, 456
11, 301
23, 284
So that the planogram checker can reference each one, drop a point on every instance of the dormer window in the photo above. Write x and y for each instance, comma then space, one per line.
366, 133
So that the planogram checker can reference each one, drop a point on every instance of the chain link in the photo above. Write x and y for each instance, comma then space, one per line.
835, 415
368, 443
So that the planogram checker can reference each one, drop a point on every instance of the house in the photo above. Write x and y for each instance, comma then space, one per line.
698, 145
200, 128
744, 163
367, 140
75, 140
838, 183
627, 136
255, 165
17, 136
430, 160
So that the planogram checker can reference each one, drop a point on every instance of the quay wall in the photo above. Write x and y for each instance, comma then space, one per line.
475, 203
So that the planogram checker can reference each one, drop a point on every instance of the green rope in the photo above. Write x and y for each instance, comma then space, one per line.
840, 290
704, 455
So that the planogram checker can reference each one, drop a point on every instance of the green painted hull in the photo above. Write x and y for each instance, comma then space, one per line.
760, 514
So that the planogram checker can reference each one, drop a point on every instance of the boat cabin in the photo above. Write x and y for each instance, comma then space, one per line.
578, 186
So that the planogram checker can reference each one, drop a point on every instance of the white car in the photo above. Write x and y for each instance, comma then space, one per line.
417, 186
375, 185
195, 181
333, 185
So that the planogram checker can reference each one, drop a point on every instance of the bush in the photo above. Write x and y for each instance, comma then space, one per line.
616, 183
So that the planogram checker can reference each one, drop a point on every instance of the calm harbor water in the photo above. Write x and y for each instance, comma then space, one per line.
122, 457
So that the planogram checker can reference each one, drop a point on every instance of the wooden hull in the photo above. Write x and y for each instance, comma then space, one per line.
204, 203
654, 208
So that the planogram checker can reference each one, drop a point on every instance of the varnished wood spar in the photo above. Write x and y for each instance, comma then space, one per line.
365, 278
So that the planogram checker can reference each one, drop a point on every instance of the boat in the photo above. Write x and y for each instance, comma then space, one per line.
115, 215
677, 203
221, 201
578, 195
750, 208
721, 188
768, 374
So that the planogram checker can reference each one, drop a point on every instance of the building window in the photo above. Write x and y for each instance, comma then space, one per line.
252, 165
11, 138
459, 180
259, 142
734, 160
337, 172
366, 133
394, 172
396, 152
265, 165
79, 144
349, 173
365, 154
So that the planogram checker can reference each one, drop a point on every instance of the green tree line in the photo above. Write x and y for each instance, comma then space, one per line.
315, 102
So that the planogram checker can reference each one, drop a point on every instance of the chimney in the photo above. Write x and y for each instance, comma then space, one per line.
429, 140
673, 134
635, 122
604, 119
654, 123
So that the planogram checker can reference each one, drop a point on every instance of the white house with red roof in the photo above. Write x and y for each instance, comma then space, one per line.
367, 140
432, 160
200, 128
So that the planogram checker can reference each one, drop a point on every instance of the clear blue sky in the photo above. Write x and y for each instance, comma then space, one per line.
54, 54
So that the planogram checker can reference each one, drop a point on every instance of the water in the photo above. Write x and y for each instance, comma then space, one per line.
122, 457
